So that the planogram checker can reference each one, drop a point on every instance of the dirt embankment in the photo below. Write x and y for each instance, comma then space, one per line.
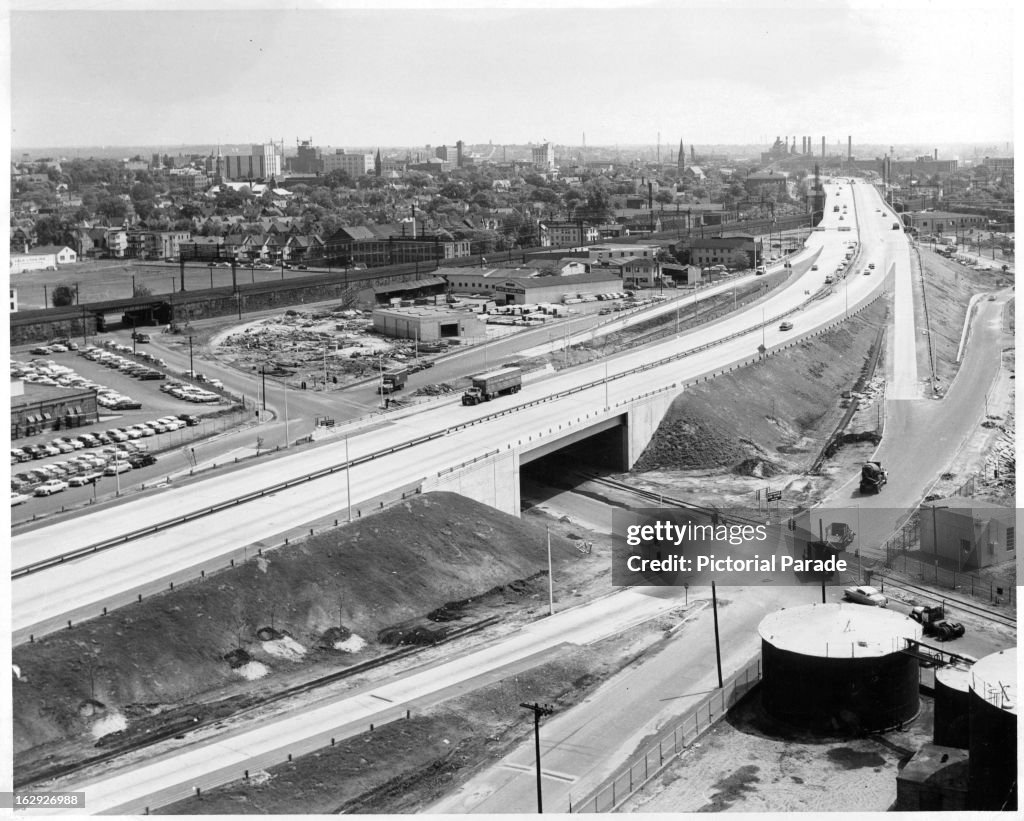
403, 766
768, 418
308, 607
950, 287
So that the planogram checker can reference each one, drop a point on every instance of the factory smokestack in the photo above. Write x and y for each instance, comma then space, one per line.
849, 148
823, 148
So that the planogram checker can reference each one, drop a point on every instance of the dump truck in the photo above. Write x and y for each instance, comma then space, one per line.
933, 619
393, 380
872, 477
486, 386
839, 536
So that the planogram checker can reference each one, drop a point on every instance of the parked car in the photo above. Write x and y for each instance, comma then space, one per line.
114, 468
865, 595
141, 460
18, 499
51, 487
189, 419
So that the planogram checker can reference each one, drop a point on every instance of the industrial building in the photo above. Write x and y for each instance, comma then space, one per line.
941, 222
968, 534
426, 323
732, 252
38, 408
556, 289
519, 286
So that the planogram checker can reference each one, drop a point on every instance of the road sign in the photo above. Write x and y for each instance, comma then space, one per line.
774, 495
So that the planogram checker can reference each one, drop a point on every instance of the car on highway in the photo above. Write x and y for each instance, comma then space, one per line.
864, 594
871, 265
814, 267
785, 326
50, 487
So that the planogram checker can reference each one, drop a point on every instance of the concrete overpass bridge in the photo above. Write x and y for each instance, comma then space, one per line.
70, 568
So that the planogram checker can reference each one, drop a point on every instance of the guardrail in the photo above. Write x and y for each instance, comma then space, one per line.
206, 511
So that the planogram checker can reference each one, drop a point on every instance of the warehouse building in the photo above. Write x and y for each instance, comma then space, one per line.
38, 408
426, 323
536, 290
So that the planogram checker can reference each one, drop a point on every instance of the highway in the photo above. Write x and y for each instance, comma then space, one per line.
42, 600
206, 762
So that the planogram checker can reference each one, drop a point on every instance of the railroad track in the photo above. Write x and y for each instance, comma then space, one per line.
996, 616
663, 500
187, 724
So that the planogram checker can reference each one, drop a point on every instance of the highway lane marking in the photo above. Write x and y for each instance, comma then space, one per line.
526, 768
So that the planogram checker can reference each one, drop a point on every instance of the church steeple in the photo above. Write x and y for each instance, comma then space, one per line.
681, 158
378, 166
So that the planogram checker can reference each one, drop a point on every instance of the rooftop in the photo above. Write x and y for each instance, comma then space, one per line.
838, 630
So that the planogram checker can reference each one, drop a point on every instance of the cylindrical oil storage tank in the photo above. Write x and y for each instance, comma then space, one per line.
952, 706
992, 769
838, 668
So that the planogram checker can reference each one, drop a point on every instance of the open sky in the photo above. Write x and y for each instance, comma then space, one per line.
714, 72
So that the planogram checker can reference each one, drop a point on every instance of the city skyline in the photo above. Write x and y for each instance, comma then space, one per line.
512, 76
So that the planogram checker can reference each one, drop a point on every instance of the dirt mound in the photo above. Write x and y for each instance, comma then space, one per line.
383, 571
784, 405
691, 442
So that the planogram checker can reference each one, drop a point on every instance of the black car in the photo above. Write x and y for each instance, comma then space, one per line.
189, 419
141, 460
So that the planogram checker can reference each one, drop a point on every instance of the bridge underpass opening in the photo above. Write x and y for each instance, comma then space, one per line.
563, 465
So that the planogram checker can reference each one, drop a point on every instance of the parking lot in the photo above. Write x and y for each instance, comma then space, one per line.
141, 416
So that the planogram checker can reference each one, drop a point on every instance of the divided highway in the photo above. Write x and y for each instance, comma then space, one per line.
42, 600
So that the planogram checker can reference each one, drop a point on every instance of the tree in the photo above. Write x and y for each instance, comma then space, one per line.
113, 208
338, 179
63, 295
664, 196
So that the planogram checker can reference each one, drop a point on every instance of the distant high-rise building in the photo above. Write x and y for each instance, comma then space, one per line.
458, 153
262, 163
442, 153
544, 156
355, 165
308, 160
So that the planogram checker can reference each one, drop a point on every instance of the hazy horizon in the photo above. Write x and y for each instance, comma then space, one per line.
365, 77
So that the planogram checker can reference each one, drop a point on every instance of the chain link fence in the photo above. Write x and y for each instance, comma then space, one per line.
673, 740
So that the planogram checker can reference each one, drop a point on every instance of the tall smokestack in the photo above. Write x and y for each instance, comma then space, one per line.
823, 148
849, 148
936, 153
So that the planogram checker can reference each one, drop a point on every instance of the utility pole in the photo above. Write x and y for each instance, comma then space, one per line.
191, 364
718, 649
538, 711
